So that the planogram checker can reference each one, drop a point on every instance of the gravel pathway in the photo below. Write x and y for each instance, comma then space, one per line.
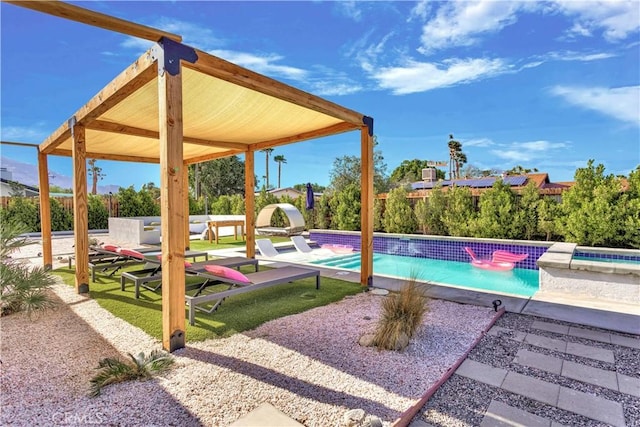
309, 366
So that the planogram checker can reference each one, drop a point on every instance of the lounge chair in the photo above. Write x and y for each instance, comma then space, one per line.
109, 259
303, 247
266, 248
242, 284
150, 277
126, 257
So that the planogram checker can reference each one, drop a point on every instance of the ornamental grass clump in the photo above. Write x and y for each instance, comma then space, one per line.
141, 367
22, 288
401, 316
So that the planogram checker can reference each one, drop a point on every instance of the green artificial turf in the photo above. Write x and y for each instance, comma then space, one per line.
236, 314
226, 242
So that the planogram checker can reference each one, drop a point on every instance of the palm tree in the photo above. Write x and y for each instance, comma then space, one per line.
454, 148
280, 160
96, 174
267, 152
460, 160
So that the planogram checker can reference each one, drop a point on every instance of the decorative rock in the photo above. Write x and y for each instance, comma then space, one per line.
372, 421
401, 342
379, 292
353, 417
366, 340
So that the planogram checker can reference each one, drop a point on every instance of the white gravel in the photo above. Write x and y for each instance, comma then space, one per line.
309, 366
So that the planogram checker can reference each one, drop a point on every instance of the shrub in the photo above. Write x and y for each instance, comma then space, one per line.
98, 213
61, 219
141, 368
22, 289
401, 316
398, 215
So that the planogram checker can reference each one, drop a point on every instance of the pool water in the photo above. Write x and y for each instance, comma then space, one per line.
523, 282
629, 260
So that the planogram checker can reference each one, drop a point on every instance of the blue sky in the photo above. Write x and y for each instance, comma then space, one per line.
544, 85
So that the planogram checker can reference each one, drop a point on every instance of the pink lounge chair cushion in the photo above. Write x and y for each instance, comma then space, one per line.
187, 264
131, 253
227, 272
110, 248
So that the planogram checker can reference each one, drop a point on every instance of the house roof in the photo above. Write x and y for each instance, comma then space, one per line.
227, 110
26, 187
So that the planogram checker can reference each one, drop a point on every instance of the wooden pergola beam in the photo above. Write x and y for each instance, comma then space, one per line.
96, 19
232, 73
319, 133
131, 79
105, 126
103, 156
213, 156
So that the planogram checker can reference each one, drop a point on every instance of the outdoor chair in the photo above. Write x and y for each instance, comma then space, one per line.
303, 247
150, 277
238, 283
266, 248
126, 257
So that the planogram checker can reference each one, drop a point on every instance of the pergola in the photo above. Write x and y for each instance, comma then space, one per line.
176, 106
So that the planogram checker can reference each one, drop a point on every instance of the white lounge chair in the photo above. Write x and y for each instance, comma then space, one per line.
303, 247
266, 248
301, 244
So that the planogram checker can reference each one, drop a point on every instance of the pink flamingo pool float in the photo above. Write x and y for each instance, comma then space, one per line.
338, 249
500, 261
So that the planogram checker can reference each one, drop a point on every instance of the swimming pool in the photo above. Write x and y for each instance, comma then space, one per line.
522, 282
606, 257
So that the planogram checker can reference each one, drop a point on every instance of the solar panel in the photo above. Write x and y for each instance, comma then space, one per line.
515, 180
473, 183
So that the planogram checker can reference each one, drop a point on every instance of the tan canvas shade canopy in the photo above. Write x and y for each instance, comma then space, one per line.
176, 106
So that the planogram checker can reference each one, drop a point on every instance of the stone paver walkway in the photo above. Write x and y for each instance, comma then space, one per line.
530, 371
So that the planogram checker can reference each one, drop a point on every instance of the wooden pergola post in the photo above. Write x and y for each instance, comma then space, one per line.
172, 204
249, 203
185, 201
80, 208
366, 202
45, 211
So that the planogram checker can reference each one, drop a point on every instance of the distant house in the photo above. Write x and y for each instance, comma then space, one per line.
13, 188
422, 189
288, 191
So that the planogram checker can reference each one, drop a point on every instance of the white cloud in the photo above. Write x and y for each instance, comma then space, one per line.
478, 142
617, 19
421, 10
520, 152
578, 56
464, 23
350, 9
34, 134
620, 103
423, 76
461, 23
262, 64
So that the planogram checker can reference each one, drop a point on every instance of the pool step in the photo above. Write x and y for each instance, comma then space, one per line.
347, 261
